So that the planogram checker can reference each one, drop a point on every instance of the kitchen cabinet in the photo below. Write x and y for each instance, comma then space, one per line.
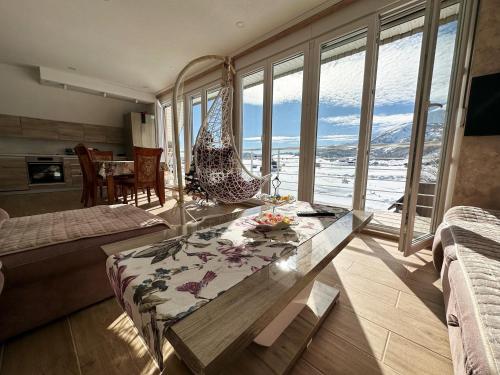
13, 174
38, 128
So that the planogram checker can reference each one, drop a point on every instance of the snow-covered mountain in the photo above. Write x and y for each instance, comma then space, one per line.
393, 142
401, 133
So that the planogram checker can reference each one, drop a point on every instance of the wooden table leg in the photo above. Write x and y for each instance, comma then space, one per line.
110, 181
161, 188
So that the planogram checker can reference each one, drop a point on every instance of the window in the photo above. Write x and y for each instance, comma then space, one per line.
393, 114
339, 110
211, 95
167, 141
195, 117
252, 120
286, 122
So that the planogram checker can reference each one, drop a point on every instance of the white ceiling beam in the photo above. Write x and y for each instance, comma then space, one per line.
96, 86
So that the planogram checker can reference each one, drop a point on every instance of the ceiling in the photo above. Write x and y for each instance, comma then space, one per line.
140, 44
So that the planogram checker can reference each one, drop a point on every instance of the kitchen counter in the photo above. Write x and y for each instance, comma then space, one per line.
15, 169
41, 155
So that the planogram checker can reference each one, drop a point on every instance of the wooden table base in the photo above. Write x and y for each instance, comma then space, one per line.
286, 350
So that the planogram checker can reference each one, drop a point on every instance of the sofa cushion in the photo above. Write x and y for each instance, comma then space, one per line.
470, 356
32, 232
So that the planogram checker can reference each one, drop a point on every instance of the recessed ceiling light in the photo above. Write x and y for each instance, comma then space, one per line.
240, 24
71, 68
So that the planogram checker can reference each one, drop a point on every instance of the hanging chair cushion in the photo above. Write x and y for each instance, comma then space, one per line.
214, 157
233, 187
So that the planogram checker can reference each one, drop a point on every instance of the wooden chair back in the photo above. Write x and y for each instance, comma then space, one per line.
85, 159
101, 155
147, 166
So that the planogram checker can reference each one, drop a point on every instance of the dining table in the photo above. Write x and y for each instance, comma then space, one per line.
110, 170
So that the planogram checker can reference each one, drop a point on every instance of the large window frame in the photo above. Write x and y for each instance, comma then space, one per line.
187, 117
310, 99
267, 66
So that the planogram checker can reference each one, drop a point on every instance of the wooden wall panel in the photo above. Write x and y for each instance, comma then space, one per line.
94, 133
14, 174
70, 131
114, 135
10, 126
26, 127
38, 128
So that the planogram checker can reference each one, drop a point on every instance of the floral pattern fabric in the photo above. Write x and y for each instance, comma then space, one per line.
159, 284
116, 167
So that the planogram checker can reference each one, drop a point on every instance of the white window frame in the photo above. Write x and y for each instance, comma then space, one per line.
311, 47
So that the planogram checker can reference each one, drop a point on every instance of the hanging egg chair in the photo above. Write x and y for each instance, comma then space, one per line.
217, 167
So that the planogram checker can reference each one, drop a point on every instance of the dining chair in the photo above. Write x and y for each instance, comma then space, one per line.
100, 155
146, 173
89, 186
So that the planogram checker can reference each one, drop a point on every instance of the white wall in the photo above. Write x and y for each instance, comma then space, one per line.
21, 94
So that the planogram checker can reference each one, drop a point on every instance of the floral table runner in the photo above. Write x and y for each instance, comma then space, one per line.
159, 284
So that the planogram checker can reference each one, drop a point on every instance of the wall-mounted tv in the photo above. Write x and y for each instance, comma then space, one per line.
483, 111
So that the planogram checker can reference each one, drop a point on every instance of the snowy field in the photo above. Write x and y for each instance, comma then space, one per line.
334, 179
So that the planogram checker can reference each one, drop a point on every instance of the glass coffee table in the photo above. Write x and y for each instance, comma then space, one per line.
173, 285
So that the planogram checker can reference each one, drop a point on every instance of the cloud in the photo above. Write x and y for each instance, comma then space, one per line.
284, 138
349, 120
341, 81
338, 138
286, 89
378, 120
252, 139
276, 139
254, 95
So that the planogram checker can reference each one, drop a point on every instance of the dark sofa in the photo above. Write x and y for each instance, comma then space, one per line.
46, 283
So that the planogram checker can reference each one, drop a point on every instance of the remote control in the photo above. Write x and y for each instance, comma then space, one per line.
315, 213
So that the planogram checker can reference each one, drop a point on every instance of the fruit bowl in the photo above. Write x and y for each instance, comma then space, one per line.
268, 222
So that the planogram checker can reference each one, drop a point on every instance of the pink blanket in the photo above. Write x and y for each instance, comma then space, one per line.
29, 232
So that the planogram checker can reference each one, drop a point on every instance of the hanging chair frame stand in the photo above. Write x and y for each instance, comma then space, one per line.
227, 82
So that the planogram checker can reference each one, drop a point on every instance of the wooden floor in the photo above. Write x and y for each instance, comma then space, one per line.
389, 318
392, 222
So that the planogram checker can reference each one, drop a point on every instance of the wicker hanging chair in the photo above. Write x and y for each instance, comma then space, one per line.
218, 168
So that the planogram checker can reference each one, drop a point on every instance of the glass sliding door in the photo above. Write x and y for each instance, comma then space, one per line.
339, 110
434, 134
286, 121
396, 83
409, 118
195, 117
252, 118
436, 118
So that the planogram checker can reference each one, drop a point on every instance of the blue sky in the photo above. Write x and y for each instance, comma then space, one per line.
340, 94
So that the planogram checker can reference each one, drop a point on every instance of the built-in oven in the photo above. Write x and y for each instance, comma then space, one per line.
45, 169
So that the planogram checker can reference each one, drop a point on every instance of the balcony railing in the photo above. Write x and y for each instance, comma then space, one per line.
335, 175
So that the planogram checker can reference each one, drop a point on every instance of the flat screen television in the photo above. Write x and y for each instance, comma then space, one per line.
483, 111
